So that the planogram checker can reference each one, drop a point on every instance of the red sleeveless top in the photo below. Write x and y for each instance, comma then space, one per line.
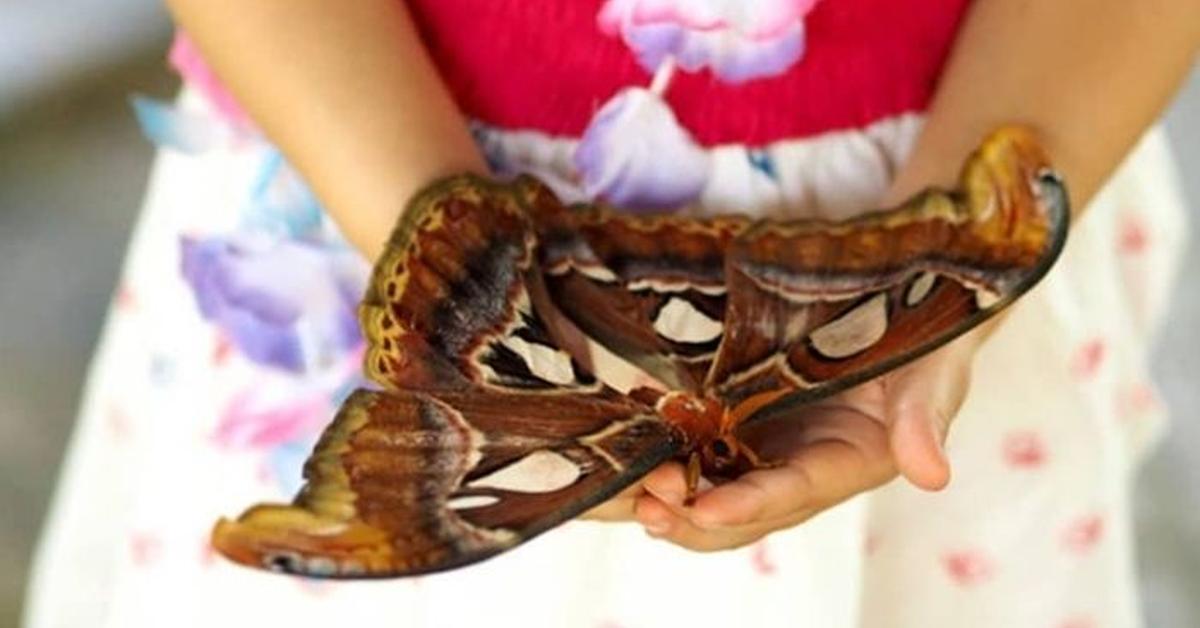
547, 65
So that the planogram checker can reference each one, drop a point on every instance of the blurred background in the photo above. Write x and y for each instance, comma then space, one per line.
72, 171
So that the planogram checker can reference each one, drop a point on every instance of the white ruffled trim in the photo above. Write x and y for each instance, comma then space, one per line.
834, 175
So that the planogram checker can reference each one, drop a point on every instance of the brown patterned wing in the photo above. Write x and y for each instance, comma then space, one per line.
820, 307
406, 483
456, 300
650, 288
487, 433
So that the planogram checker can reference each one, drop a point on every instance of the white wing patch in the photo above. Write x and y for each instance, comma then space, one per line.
548, 363
920, 288
466, 502
680, 321
985, 298
668, 286
854, 331
542, 471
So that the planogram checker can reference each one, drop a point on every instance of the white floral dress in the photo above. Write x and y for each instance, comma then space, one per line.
232, 339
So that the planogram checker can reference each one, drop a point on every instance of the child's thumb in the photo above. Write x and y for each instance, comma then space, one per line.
922, 400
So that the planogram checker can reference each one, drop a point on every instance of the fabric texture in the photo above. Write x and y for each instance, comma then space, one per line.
229, 346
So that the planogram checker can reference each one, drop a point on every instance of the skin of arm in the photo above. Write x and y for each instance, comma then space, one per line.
349, 94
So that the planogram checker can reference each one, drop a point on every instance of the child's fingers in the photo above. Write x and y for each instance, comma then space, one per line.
665, 523
619, 508
668, 483
922, 401
816, 477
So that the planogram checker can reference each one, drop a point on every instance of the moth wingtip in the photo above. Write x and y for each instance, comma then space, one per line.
293, 540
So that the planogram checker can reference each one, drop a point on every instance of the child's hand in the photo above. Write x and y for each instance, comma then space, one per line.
831, 451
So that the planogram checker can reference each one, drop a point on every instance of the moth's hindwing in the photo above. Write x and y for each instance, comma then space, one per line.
404, 483
817, 307
649, 288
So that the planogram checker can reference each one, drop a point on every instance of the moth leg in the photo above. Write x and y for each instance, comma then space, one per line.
753, 461
693, 477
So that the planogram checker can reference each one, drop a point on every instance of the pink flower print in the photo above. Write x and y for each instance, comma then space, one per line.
280, 409
737, 40
1088, 358
1024, 450
1084, 533
968, 568
253, 420
635, 155
1079, 621
761, 560
186, 59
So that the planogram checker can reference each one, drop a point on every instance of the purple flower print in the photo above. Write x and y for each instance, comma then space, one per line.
285, 304
635, 155
737, 40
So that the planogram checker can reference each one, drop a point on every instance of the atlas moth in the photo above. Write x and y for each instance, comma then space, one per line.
490, 428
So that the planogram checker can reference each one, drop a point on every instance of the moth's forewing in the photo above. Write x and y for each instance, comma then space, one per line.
487, 432
451, 305
817, 307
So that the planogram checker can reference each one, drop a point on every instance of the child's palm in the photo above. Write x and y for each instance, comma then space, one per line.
829, 452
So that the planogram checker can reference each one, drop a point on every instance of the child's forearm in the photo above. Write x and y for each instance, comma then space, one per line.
347, 92
1090, 76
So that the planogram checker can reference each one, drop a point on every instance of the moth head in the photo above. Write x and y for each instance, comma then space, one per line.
721, 454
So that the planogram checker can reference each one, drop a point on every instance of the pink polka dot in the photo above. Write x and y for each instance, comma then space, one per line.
1084, 533
1079, 621
118, 421
1088, 358
264, 474
1137, 399
314, 587
208, 553
968, 568
144, 549
1133, 237
1024, 449
871, 543
760, 558
222, 350
125, 299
